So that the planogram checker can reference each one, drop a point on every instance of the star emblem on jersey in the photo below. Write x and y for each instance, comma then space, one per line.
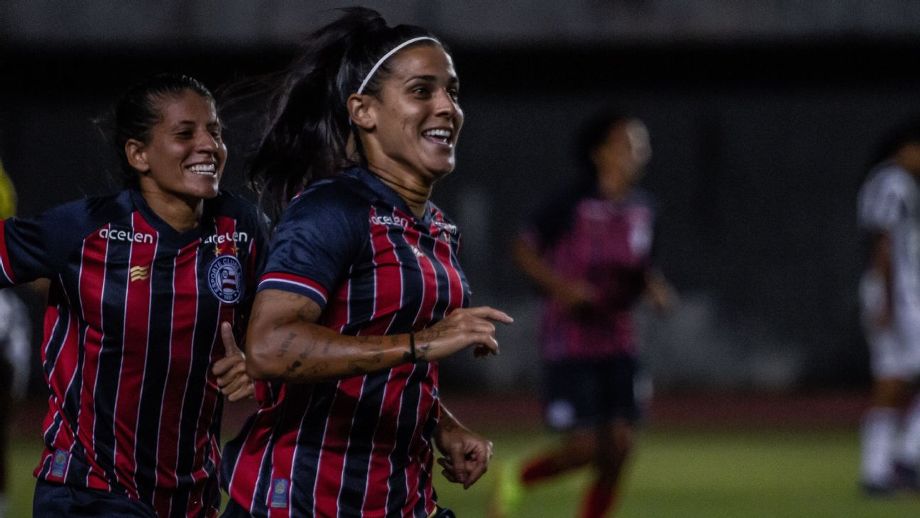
225, 277
139, 273
233, 249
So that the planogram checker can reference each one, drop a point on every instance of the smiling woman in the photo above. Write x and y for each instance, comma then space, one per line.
180, 163
410, 129
363, 292
146, 290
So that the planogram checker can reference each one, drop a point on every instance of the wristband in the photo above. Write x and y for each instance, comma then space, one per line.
412, 347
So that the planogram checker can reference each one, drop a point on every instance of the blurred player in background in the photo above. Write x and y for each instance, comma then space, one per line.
591, 256
146, 287
889, 216
15, 349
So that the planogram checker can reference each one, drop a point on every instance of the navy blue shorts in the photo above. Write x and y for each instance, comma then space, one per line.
57, 501
588, 393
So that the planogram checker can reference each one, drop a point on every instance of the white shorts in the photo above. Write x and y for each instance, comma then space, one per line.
895, 349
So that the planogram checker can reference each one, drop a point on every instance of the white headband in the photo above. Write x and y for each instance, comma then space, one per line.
387, 56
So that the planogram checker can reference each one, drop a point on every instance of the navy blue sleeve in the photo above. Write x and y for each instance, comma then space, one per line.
22, 251
32, 248
37, 247
317, 240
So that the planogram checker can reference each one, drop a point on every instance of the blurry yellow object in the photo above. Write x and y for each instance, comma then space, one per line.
7, 195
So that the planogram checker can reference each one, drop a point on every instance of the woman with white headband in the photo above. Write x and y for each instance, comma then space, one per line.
363, 292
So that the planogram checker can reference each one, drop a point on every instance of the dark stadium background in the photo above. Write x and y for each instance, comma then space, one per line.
763, 119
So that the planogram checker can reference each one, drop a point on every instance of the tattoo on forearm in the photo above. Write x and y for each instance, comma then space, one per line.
294, 367
285, 345
366, 365
423, 342
311, 354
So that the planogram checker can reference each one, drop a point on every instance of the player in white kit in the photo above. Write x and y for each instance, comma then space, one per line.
889, 215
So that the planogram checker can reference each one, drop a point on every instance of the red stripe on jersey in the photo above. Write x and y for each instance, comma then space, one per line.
185, 308
446, 257
285, 446
248, 465
225, 226
427, 399
414, 469
336, 314
429, 283
335, 443
60, 380
380, 468
428, 461
5, 268
388, 271
92, 284
296, 280
389, 281
134, 353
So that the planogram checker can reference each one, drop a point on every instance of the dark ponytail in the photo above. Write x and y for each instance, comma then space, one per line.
308, 128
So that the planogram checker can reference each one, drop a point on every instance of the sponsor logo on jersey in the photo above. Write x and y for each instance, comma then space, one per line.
139, 273
446, 227
225, 277
227, 237
390, 220
126, 235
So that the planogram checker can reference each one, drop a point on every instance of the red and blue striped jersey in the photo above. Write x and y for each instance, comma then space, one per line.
607, 244
362, 445
131, 330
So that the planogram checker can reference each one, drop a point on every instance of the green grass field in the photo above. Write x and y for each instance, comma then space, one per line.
687, 474
675, 473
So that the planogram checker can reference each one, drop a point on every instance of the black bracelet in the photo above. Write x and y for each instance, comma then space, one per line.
412, 346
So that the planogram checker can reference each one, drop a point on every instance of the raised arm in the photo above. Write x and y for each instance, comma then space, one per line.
284, 341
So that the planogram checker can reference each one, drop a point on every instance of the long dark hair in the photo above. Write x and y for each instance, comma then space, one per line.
306, 136
138, 110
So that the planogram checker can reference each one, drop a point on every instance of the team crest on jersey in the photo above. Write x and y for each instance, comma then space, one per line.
280, 493
59, 463
224, 277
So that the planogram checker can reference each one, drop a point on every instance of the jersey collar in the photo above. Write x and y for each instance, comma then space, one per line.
387, 195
